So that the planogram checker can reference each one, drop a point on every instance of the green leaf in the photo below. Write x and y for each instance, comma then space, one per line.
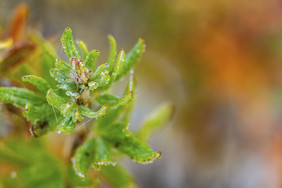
41, 127
69, 86
76, 116
76, 181
47, 60
20, 96
102, 153
89, 113
132, 58
43, 118
66, 125
83, 49
69, 45
118, 66
63, 66
68, 109
41, 84
117, 176
34, 113
111, 116
132, 83
104, 79
155, 120
98, 71
107, 99
55, 100
116, 109
113, 52
123, 101
124, 141
94, 151
59, 76
84, 157
91, 59
93, 85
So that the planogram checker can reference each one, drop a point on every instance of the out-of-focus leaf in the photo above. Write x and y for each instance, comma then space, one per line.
89, 113
112, 116
123, 101
117, 176
47, 58
91, 59
69, 45
116, 109
20, 96
18, 23
84, 157
77, 181
132, 58
113, 52
41, 84
4, 44
107, 99
17, 55
29, 171
155, 120
125, 142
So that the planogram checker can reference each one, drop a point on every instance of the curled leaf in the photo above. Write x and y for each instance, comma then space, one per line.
89, 113
55, 100
124, 141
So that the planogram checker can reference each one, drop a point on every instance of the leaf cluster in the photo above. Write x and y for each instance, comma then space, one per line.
66, 95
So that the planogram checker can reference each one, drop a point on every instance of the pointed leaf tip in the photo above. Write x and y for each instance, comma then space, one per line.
112, 53
69, 44
132, 58
41, 84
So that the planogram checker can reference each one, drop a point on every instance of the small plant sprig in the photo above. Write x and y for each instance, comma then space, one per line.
80, 91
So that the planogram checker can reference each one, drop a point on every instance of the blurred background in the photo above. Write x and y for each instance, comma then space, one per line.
217, 61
